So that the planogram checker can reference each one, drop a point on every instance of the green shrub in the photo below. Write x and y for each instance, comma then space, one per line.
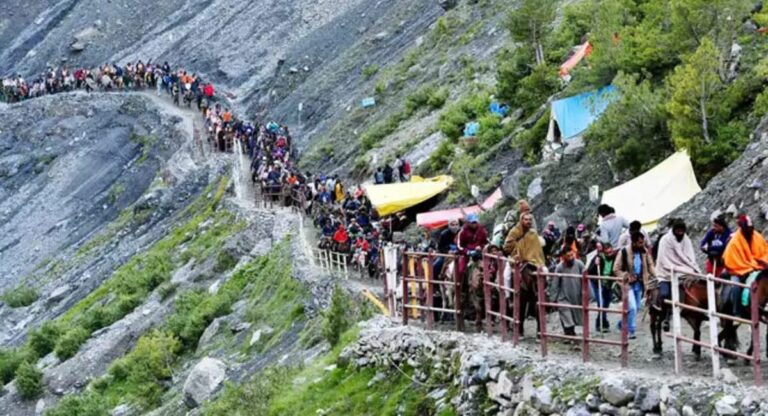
166, 289
20, 296
379, 131
225, 261
142, 372
427, 96
761, 104
441, 157
453, 120
10, 360
536, 88
87, 404
370, 71
531, 141
70, 342
335, 319
29, 381
43, 340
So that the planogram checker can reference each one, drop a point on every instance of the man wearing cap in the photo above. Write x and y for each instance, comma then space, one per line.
470, 241
746, 254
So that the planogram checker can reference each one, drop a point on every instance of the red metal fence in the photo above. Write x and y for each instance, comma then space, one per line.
713, 315
418, 289
418, 285
494, 283
585, 309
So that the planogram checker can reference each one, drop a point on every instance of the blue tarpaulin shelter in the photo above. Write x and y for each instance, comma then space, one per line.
571, 116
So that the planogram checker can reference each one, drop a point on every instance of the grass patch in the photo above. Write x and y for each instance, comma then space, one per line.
145, 144
129, 285
276, 299
335, 319
115, 192
370, 71
344, 390
141, 376
20, 296
29, 381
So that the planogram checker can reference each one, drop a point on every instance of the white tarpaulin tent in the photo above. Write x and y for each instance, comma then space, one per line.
655, 193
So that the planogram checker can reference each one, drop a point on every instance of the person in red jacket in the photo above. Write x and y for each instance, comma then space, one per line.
470, 241
341, 239
208, 90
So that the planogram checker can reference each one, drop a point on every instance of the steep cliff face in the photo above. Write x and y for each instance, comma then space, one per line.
739, 188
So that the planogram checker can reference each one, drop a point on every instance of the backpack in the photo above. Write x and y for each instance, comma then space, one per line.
406, 167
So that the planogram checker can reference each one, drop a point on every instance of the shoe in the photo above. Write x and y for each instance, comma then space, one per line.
632, 336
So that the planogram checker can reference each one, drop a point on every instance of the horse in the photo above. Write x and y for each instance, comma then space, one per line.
529, 300
729, 335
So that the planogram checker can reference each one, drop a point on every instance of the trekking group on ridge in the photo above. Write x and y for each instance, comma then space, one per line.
348, 223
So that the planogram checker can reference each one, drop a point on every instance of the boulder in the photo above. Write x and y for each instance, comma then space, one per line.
726, 406
259, 333
615, 392
59, 293
448, 4
647, 399
542, 400
535, 188
578, 410
204, 379
77, 47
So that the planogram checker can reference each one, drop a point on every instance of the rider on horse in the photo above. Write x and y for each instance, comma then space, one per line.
746, 254
525, 246
676, 252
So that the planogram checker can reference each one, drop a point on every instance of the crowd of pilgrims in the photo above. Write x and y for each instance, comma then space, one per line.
347, 223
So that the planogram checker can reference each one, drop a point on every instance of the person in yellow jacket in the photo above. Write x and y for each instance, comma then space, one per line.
339, 191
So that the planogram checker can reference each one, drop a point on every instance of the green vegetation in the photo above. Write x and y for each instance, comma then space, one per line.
42, 340
141, 376
373, 136
20, 296
429, 96
145, 144
343, 390
275, 298
225, 261
29, 381
670, 62
70, 342
335, 319
129, 285
370, 71
115, 192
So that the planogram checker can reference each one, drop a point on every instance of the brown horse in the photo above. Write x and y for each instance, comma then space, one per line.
730, 334
694, 295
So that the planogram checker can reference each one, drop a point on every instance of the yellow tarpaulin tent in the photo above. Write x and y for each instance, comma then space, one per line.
655, 193
391, 198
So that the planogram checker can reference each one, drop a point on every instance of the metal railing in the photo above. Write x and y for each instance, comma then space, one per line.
494, 282
585, 309
713, 314
418, 288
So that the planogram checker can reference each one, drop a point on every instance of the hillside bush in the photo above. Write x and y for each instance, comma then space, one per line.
43, 340
335, 320
453, 120
20, 296
10, 360
87, 404
70, 342
29, 381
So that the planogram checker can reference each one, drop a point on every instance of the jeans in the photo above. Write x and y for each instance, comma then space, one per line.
602, 295
635, 294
